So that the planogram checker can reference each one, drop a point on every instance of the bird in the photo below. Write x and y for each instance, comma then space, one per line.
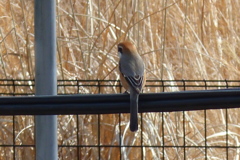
132, 77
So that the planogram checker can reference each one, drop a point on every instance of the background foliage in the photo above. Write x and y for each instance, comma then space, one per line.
178, 39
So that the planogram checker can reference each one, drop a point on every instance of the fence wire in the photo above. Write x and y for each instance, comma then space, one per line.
205, 134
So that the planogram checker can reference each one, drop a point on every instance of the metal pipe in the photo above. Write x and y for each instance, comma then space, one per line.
45, 76
119, 103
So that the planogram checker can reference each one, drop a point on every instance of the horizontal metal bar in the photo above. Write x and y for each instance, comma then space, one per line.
163, 80
122, 146
153, 146
118, 85
119, 103
11, 81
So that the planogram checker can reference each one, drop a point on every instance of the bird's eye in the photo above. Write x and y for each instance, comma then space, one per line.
120, 49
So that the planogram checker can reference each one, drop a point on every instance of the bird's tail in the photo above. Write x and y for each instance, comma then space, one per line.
133, 111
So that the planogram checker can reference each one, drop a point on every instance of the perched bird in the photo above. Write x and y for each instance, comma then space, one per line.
132, 77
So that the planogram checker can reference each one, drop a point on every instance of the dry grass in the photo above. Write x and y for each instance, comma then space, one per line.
178, 39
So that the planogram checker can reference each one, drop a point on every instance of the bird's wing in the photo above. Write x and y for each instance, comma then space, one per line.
135, 82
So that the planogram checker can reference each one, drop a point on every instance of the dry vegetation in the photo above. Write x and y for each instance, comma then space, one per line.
178, 39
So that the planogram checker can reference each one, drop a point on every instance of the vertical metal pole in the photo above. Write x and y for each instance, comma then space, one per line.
45, 76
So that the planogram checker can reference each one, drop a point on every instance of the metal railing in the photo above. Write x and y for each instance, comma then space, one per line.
74, 143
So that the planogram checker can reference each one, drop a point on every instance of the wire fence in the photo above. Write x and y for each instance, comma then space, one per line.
204, 134
13, 87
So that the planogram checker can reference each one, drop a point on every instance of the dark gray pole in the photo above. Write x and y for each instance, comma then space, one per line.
45, 76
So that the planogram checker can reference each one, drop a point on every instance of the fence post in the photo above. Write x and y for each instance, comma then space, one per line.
45, 76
